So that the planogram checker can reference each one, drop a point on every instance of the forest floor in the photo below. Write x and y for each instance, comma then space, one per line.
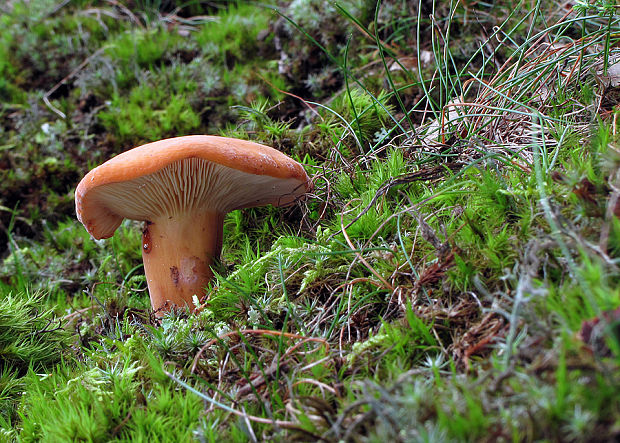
453, 275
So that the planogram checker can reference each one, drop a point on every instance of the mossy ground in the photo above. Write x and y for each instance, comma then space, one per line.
453, 276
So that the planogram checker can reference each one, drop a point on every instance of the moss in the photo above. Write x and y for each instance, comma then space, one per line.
100, 404
448, 285
147, 115
238, 33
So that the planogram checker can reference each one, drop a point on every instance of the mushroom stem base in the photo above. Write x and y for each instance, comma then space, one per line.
178, 253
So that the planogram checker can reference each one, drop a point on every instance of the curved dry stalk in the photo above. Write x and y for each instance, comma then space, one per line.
359, 256
279, 423
257, 332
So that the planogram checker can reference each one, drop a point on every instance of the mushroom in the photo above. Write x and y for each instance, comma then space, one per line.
182, 188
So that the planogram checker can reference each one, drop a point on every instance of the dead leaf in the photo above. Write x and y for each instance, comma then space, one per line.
611, 78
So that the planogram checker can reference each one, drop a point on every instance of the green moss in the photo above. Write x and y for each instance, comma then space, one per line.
100, 404
139, 49
149, 114
233, 34
430, 288
30, 338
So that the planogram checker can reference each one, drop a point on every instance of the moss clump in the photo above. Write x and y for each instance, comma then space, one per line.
103, 403
30, 338
149, 114
29, 334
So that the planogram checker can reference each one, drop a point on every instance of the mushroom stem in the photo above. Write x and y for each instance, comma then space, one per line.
178, 252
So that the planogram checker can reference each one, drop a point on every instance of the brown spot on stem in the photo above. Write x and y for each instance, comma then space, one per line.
174, 274
146, 238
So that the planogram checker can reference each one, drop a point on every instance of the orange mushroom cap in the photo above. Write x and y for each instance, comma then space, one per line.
176, 175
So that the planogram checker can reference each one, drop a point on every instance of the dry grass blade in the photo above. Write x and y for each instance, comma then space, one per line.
73, 73
257, 332
359, 256
432, 173
277, 423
